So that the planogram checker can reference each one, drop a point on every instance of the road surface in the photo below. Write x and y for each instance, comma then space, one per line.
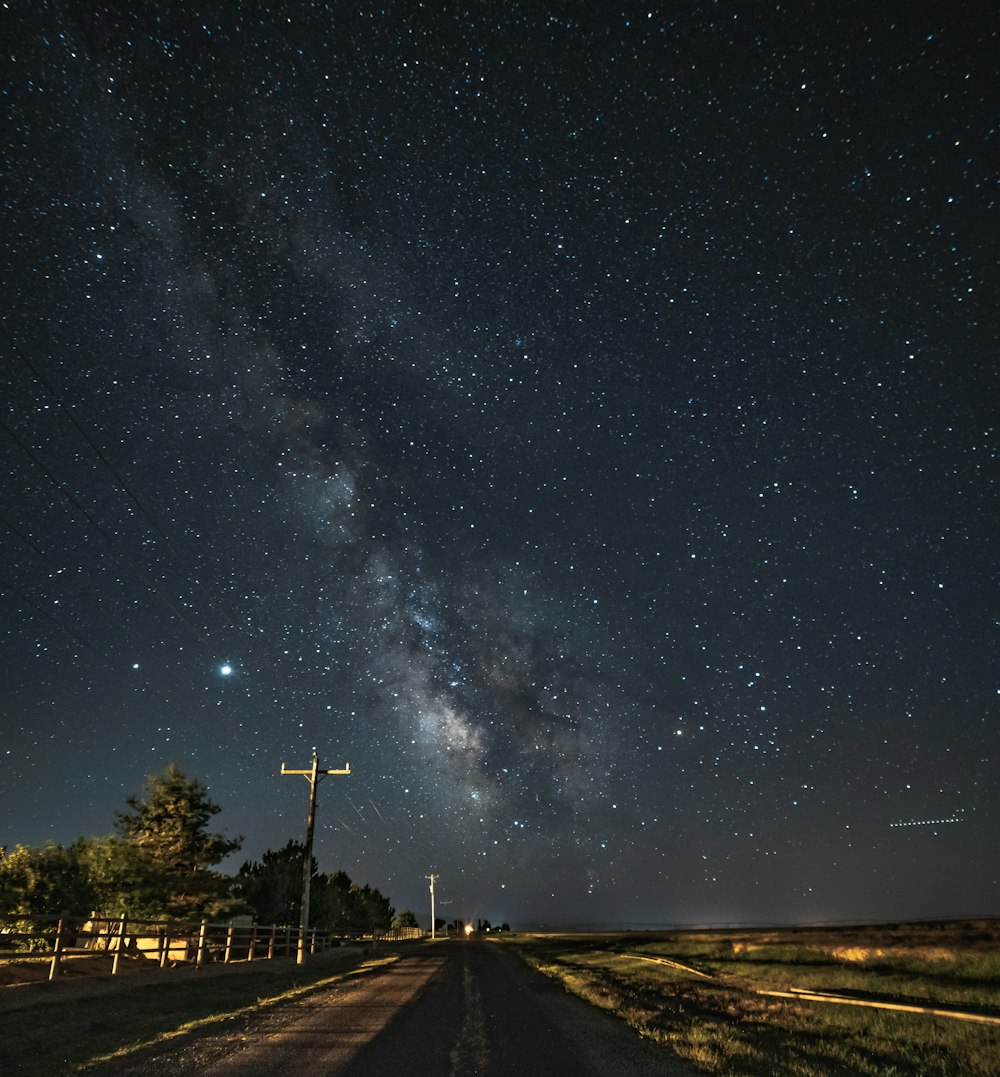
456, 1009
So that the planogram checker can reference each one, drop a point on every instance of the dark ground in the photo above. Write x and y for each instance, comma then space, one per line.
459, 1008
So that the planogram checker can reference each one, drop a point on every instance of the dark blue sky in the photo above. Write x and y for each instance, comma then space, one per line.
582, 420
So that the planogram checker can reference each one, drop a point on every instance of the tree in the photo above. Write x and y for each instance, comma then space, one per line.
273, 886
371, 909
169, 825
404, 918
123, 880
45, 881
333, 904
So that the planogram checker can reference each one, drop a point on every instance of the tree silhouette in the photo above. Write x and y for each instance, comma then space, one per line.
272, 886
404, 918
169, 825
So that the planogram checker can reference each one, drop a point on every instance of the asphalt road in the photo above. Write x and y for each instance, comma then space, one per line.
485, 1015
457, 1009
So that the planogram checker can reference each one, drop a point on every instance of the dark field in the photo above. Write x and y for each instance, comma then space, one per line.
719, 998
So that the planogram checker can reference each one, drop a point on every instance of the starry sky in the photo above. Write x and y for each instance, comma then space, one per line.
579, 418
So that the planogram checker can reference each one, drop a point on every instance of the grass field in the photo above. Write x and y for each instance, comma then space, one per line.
711, 1010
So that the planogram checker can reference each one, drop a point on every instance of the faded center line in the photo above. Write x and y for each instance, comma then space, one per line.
470, 1054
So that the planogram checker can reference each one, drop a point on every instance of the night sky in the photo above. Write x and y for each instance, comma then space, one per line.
579, 419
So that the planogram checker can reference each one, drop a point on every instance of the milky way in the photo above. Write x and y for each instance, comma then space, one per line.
582, 420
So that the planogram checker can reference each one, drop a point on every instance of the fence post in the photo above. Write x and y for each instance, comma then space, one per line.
229, 943
121, 946
288, 940
57, 950
201, 943
253, 942
312, 943
270, 942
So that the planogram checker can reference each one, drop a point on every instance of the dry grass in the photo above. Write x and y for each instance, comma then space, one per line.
724, 1027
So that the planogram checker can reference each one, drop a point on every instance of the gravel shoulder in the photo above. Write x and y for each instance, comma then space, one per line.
342, 1014
49, 1028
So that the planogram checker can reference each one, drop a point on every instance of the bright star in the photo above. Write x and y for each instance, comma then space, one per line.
225, 670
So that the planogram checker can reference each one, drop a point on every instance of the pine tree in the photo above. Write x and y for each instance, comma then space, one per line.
273, 886
169, 825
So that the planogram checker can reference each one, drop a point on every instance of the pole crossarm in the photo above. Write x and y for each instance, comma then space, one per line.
319, 773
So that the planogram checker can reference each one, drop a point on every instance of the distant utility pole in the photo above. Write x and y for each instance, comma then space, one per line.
314, 775
433, 879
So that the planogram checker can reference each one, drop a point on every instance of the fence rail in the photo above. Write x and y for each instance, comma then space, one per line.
169, 943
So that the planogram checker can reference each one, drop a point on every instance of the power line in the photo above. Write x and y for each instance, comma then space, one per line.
95, 523
8, 586
81, 585
81, 430
230, 619
115, 473
29, 542
57, 482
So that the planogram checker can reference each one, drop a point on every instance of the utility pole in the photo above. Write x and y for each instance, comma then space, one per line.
433, 879
314, 775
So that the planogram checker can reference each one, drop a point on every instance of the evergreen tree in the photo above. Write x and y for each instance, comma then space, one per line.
273, 886
404, 918
370, 909
169, 825
336, 909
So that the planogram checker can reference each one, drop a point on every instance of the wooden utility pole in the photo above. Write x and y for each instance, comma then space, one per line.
314, 775
433, 879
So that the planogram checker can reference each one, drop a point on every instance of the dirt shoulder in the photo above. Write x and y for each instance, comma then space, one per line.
25, 984
58, 1027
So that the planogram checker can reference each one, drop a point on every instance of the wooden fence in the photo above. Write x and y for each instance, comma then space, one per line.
169, 943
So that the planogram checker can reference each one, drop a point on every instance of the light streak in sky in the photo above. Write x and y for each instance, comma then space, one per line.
957, 818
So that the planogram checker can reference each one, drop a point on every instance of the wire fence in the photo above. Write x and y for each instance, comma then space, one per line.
168, 943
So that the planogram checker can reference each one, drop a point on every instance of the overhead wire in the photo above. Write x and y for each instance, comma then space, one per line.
96, 524
82, 431
29, 542
91, 519
59, 569
229, 619
41, 611
144, 510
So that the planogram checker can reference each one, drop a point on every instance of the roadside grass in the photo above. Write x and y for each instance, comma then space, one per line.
724, 1027
48, 1036
940, 978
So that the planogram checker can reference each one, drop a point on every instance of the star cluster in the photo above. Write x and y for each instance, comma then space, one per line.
581, 419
